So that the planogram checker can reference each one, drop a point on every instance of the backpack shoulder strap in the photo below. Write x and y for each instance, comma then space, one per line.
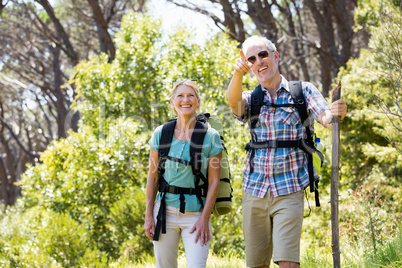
197, 140
296, 91
257, 100
165, 143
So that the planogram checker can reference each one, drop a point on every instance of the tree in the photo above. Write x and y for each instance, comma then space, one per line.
314, 38
386, 51
98, 174
371, 151
41, 44
377, 73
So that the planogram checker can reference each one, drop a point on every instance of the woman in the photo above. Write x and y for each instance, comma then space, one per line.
194, 225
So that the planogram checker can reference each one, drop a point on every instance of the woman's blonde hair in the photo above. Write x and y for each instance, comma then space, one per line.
185, 82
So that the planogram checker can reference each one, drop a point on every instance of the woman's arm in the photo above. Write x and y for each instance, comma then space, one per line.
151, 190
202, 225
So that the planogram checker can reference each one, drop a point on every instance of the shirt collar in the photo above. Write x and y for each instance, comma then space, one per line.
283, 85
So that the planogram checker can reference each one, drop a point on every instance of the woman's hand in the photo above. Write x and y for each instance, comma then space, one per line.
203, 232
150, 195
202, 225
149, 227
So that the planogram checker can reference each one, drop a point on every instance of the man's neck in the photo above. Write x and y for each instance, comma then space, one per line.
272, 85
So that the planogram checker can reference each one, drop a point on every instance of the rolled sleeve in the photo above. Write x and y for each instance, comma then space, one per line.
316, 102
246, 116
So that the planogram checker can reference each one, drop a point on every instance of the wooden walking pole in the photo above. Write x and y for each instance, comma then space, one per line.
336, 254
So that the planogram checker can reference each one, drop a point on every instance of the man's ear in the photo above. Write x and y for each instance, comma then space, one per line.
276, 56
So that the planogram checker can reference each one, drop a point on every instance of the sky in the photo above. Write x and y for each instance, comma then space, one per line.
173, 16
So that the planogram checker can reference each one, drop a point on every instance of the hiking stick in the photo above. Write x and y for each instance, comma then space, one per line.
335, 181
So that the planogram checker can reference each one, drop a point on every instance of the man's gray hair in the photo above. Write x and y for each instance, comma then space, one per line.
256, 39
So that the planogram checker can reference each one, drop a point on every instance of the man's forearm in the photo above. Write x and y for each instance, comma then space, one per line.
235, 94
325, 119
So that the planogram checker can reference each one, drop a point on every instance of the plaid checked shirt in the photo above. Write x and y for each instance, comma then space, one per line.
282, 170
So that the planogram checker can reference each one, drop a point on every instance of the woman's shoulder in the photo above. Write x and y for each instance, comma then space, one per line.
212, 132
156, 135
158, 129
213, 140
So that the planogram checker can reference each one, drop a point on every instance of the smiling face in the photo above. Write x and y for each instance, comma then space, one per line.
265, 69
185, 101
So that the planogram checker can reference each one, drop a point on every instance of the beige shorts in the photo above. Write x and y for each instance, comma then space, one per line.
272, 224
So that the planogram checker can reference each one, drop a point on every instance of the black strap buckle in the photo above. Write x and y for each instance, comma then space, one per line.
203, 193
273, 144
262, 145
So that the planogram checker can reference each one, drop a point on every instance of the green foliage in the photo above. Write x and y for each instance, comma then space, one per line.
352, 256
127, 221
371, 168
40, 238
83, 205
372, 87
84, 175
118, 89
389, 255
97, 176
137, 83
214, 261
227, 229
368, 12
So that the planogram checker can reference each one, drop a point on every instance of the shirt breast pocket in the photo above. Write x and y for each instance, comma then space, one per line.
289, 116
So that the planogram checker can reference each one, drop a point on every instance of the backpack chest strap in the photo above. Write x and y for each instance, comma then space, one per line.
166, 188
274, 144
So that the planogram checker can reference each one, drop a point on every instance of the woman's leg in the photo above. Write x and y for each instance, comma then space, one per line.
196, 255
166, 249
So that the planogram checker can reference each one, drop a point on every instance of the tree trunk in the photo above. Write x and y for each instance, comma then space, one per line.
263, 18
60, 101
106, 42
68, 47
335, 183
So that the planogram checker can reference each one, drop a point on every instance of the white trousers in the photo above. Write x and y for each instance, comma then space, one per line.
179, 224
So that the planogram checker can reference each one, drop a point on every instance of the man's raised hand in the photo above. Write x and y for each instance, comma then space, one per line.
242, 66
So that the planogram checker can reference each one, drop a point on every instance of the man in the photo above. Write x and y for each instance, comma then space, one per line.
274, 178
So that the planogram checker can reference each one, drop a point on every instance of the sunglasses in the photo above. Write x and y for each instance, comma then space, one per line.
175, 81
262, 54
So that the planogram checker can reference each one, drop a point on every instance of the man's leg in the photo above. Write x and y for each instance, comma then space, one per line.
287, 216
288, 264
257, 230
284, 264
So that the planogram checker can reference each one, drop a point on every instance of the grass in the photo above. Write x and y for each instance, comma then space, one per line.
352, 256
389, 255
214, 261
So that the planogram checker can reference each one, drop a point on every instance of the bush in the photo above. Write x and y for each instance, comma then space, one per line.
84, 175
40, 238
127, 222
